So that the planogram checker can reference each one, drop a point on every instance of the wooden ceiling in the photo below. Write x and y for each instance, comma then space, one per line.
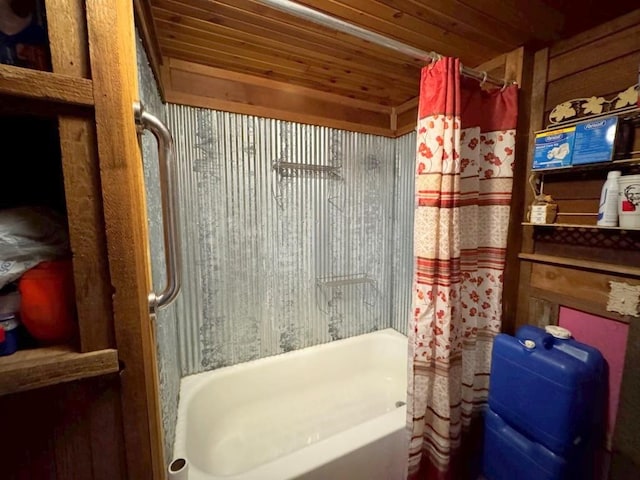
247, 37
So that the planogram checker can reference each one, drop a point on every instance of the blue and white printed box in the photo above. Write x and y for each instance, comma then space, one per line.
595, 141
554, 148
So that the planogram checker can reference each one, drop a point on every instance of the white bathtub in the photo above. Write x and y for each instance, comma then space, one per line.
323, 413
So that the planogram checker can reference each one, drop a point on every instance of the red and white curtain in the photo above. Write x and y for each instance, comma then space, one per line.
464, 171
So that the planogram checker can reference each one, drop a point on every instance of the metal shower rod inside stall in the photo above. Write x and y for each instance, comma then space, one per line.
306, 13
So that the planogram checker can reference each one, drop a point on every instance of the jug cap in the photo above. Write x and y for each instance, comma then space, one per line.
558, 332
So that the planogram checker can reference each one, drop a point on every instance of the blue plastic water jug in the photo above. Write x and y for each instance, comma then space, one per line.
509, 455
548, 387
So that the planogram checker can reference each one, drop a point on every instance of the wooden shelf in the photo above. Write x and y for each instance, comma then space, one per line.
577, 225
47, 86
625, 162
41, 367
581, 264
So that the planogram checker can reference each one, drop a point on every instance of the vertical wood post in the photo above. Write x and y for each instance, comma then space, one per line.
113, 69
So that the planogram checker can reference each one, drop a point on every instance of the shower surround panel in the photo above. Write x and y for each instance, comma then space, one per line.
287, 233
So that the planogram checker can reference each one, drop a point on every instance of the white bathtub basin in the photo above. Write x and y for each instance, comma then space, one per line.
325, 412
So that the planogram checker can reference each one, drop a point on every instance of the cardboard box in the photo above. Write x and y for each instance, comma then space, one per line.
595, 140
554, 148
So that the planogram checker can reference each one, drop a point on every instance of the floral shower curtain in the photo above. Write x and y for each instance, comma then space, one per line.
464, 170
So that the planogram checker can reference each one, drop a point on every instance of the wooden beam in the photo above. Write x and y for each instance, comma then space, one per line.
518, 67
496, 66
176, 64
113, 66
384, 97
67, 31
41, 367
408, 105
536, 121
149, 35
201, 86
513, 68
45, 86
393, 121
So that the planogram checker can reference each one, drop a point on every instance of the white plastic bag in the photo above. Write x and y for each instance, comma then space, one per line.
28, 236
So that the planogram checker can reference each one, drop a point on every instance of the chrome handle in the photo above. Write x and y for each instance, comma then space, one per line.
166, 158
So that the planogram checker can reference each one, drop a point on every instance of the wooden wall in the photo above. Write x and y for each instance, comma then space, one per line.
581, 66
198, 85
573, 267
71, 431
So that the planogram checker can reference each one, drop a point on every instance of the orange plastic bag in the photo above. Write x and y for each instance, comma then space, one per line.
47, 309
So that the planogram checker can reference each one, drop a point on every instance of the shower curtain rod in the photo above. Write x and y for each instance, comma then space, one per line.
306, 13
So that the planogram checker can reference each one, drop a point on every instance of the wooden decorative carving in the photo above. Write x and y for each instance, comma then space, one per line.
585, 107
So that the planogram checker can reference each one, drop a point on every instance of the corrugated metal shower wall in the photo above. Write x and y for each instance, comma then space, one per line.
288, 235
403, 210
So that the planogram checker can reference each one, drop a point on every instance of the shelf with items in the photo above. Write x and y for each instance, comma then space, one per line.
43, 187
41, 367
593, 137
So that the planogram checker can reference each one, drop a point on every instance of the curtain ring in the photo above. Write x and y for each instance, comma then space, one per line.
484, 79
505, 84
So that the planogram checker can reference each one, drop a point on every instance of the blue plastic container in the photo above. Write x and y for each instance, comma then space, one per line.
549, 389
509, 455
11, 327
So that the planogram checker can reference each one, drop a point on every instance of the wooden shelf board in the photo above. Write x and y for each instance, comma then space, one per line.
41, 367
47, 86
608, 164
577, 225
581, 264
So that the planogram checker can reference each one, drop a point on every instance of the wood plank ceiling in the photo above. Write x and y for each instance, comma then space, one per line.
248, 37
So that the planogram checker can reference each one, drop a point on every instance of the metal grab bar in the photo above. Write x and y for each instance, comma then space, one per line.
166, 160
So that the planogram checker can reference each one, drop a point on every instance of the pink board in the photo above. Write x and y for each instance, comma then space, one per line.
608, 336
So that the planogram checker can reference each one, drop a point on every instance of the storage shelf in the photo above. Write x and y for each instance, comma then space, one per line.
577, 225
630, 110
303, 170
626, 162
581, 264
346, 280
41, 367
46, 86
